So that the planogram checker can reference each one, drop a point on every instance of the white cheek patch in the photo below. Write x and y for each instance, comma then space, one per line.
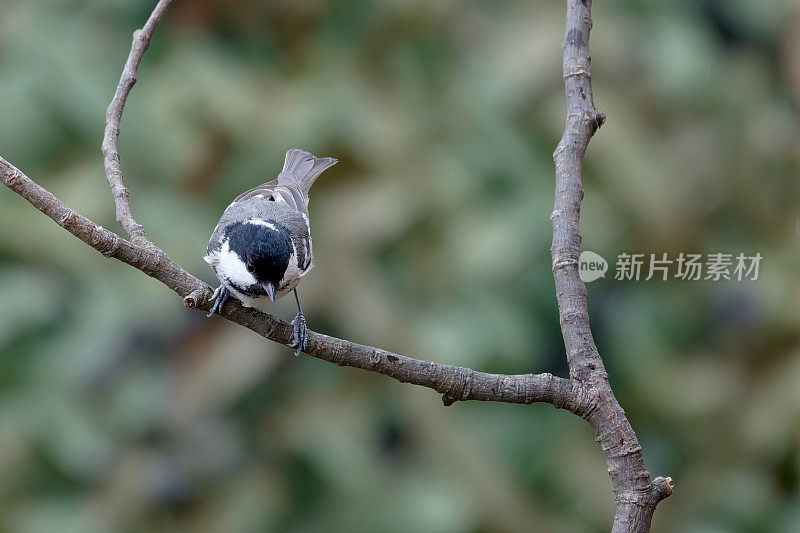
293, 273
259, 222
231, 266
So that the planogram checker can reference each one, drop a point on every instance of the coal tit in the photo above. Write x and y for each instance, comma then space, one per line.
261, 247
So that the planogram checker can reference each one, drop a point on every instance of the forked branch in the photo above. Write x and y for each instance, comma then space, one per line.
636, 496
587, 393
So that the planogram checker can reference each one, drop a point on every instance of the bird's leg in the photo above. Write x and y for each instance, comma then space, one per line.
300, 329
219, 298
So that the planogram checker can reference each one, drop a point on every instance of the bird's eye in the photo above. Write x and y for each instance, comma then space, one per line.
251, 268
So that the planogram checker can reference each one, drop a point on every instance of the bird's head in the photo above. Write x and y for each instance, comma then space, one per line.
254, 257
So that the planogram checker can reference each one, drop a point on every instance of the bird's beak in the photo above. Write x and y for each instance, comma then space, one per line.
270, 288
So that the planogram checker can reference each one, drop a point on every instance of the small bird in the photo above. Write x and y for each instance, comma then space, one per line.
261, 247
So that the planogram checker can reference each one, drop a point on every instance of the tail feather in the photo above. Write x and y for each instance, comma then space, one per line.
304, 168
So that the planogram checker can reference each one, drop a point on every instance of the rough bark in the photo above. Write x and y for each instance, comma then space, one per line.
636, 496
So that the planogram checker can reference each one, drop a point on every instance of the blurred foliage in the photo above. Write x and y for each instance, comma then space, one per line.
121, 410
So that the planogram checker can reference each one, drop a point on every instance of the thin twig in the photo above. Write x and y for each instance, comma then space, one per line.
636, 496
141, 41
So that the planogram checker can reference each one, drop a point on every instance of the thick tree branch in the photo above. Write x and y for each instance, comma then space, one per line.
636, 496
455, 383
141, 41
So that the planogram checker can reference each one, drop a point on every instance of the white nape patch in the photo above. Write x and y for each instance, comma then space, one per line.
259, 222
230, 266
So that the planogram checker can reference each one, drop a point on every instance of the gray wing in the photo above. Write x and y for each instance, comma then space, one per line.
300, 170
278, 190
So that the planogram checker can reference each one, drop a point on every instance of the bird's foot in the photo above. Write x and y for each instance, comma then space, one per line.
219, 298
300, 334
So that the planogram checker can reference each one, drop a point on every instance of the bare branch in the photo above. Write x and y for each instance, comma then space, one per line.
141, 41
587, 393
455, 383
636, 496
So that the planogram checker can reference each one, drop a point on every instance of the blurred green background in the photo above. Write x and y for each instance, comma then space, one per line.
122, 411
